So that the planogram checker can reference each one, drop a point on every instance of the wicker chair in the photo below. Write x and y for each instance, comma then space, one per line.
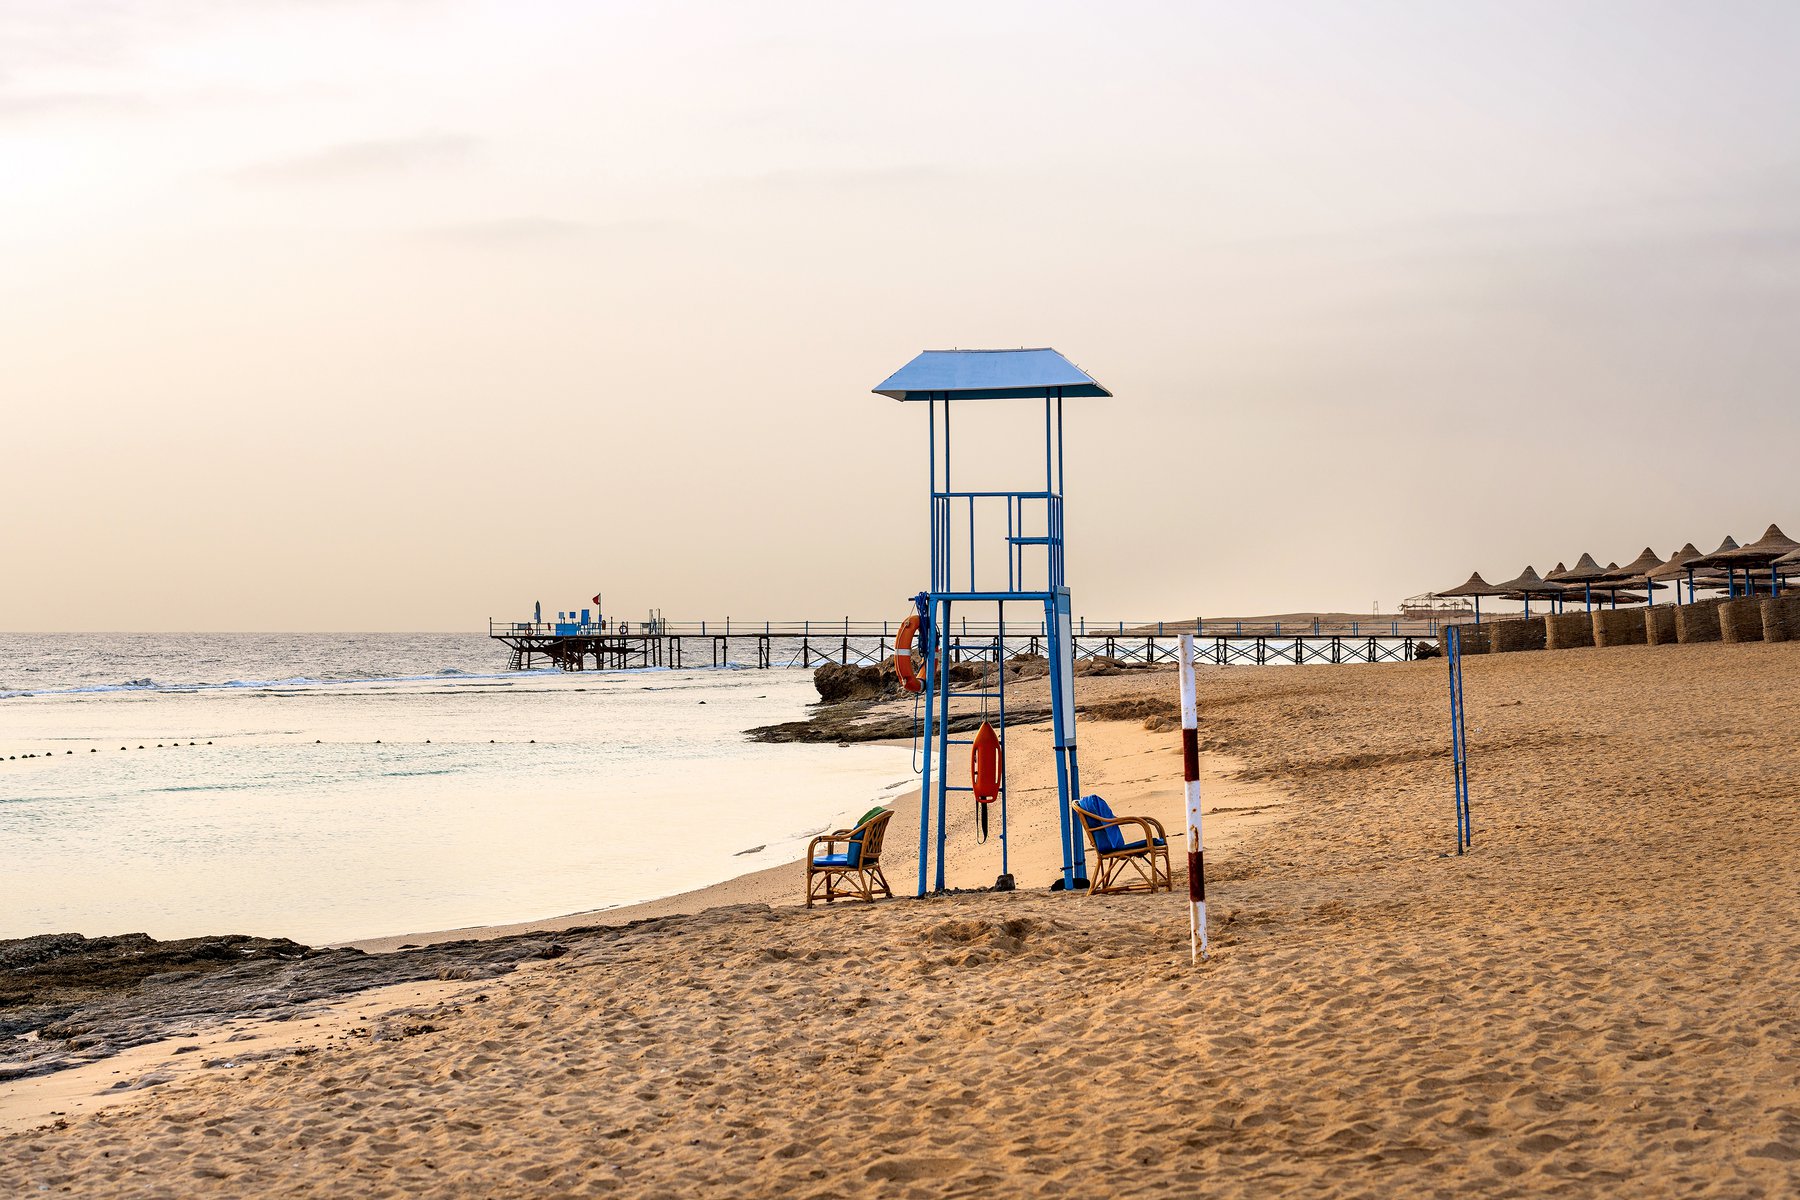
853, 871
1121, 866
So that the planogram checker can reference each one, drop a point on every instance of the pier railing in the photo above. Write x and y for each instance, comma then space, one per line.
1392, 627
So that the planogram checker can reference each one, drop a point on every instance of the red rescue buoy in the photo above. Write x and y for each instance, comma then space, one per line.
986, 764
903, 665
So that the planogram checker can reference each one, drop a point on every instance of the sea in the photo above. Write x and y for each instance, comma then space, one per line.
332, 787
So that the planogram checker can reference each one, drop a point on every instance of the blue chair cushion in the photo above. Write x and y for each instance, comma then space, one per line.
1107, 839
1139, 847
836, 860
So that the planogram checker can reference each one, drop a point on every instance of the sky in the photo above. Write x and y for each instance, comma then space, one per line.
402, 314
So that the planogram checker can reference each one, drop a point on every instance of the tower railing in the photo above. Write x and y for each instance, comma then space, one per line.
964, 523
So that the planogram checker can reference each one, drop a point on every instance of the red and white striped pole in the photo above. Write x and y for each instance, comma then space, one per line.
1190, 770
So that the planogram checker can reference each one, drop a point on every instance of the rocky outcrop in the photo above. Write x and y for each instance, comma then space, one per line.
854, 722
838, 682
87, 998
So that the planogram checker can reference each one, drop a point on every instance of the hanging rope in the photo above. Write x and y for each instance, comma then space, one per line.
920, 603
918, 764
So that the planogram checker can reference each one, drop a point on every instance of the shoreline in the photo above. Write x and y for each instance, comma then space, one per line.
495, 954
328, 818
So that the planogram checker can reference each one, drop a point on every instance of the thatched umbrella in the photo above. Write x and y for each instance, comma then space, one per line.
1715, 559
1624, 591
1637, 573
1556, 576
1763, 552
1677, 568
1475, 588
1708, 560
1528, 584
1587, 572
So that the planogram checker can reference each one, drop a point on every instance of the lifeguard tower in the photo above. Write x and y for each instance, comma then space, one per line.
973, 533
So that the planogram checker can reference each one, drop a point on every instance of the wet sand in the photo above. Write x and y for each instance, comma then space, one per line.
1597, 1001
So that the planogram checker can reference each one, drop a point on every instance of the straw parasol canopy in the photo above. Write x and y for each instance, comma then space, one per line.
1643, 564
1677, 566
1585, 570
1476, 586
1529, 583
1716, 557
1764, 550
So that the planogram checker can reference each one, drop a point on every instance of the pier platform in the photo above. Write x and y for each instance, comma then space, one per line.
810, 643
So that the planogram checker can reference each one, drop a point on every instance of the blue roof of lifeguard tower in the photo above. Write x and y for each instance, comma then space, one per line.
988, 375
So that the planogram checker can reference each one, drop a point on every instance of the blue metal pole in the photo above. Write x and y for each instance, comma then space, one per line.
971, 543
1000, 684
943, 752
931, 487
928, 640
1459, 759
1062, 762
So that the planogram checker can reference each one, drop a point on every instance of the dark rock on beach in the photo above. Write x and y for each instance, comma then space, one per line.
87, 998
865, 703
860, 704
838, 682
839, 723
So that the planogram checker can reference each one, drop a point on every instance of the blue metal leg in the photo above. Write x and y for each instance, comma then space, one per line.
1054, 653
927, 639
943, 688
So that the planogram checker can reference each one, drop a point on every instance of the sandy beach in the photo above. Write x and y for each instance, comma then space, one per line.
1597, 1001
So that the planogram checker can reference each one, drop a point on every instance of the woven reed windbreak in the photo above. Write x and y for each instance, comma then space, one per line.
1474, 639
1618, 627
1564, 631
1521, 634
1659, 625
1697, 622
1741, 620
1781, 618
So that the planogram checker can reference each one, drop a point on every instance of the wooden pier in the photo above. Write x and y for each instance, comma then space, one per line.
807, 643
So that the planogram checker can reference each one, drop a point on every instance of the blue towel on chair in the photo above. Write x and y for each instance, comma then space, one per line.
1106, 840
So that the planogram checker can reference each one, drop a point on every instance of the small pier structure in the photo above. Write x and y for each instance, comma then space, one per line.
578, 646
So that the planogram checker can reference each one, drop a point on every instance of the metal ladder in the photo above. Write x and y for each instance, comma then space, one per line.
998, 696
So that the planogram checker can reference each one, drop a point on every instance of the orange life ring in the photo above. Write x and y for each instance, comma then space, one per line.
903, 667
986, 763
